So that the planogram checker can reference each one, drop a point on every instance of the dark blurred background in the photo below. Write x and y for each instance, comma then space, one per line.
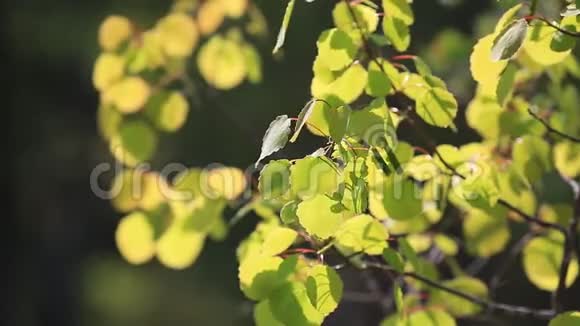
62, 266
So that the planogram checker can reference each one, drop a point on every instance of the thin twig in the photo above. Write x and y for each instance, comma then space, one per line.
527, 217
549, 23
551, 129
569, 249
489, 306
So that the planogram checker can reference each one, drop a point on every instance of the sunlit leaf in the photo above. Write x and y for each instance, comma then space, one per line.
570, 318
538, 45
179, 246
210, 16
399, 9
222, 62
278, 240
567, 158
114, 30
437, 107
362, 233
427, 317
109, 68
397, 32
259, 276
275, 179
483, 69
135, 238
167, 110
324, 287
129, 95
320, 216
291, 305
179, 34
542, 258
313, 175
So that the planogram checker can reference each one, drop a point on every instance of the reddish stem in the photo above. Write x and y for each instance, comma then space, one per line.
403, 57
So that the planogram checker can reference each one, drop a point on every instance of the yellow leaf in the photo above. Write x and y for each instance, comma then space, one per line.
113, 32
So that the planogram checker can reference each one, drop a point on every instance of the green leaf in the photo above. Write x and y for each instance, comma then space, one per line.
401, 198
538, 45
567, 158
446, 244
179, 246
398, 297
222, 62
259, 276
288, 213
532, 157
276, 137
394, 260
335, 49
373, 125
486, 233
320, 216
366, 18
483, 114
428, 317
285, 22
278, 240
313, 175
479, 191
108, 120
362, 233
399, 9
343, 89
409, 253
509, 40
379, 82
167, 110
458, 306
291, 305
569, 318
135, 142
505, 86
263, 315
274, 179
397, 32
329, 121
324, 287
253, 63
542, 258
437, 107
422, 67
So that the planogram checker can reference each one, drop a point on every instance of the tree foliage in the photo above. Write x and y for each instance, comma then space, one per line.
365, 199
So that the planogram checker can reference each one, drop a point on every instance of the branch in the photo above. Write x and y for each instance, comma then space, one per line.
551, 129
489, 306
366, 45
549, 23
527, 217
569, 248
